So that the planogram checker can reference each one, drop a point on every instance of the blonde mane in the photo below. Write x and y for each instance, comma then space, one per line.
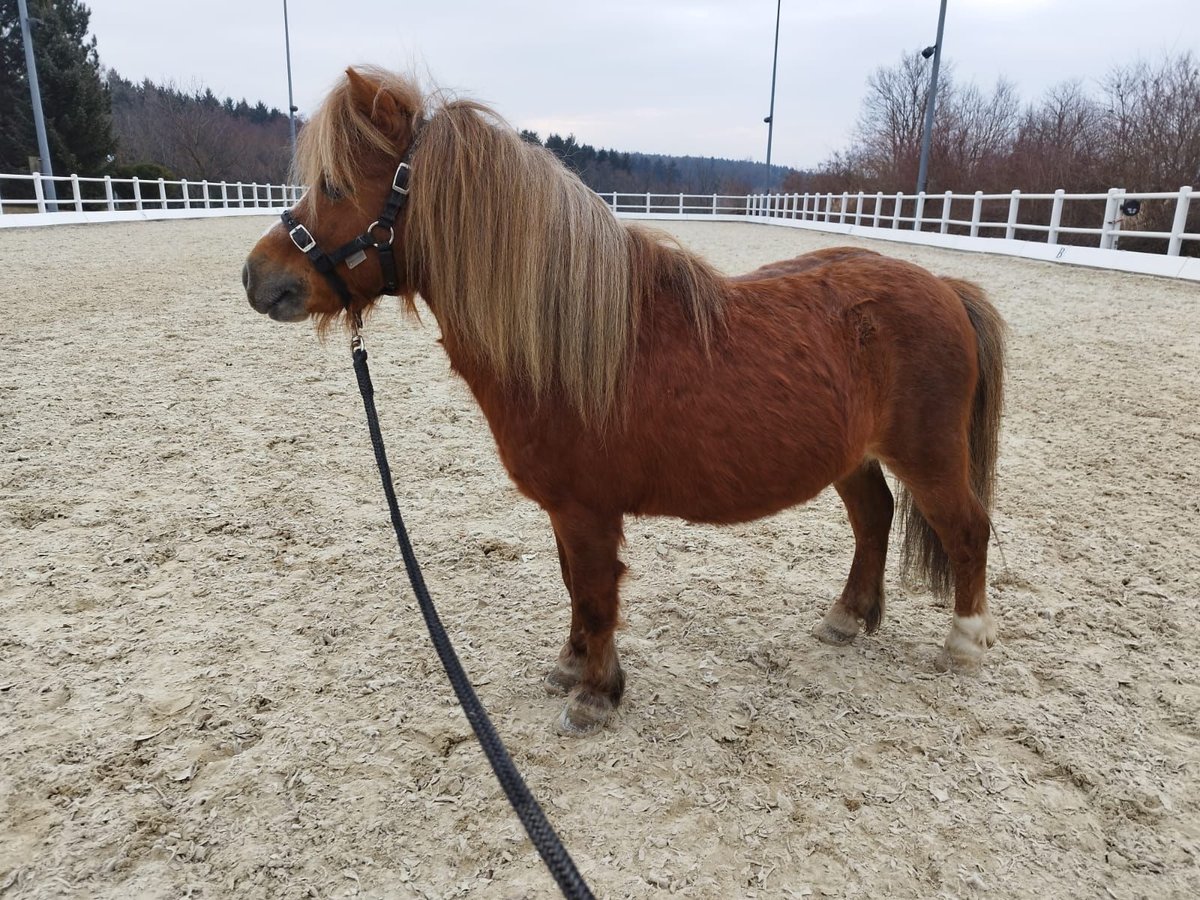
526, 267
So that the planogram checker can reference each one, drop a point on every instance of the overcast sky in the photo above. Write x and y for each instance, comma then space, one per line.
657, 76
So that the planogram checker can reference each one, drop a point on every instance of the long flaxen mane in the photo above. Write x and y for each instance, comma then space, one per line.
526, 266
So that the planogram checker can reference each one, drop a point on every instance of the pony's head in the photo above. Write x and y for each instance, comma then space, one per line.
347, 156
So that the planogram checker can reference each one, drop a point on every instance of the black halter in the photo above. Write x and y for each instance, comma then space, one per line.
355, 251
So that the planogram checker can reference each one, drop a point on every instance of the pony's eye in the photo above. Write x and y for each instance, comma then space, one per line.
330, 191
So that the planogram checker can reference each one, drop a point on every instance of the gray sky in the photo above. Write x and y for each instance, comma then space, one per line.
657, 76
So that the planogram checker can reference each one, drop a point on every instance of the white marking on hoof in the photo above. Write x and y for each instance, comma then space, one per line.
838, 627
967, 642
567, 727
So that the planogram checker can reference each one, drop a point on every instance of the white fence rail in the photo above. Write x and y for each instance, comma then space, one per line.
24, 200
1084, 229
974, 215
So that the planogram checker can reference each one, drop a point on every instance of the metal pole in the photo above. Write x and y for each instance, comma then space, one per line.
287, 43
770, 120
35, 94
930, 101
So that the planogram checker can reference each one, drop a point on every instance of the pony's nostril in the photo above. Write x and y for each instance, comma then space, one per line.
246, 275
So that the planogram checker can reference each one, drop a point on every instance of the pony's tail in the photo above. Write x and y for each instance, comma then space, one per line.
922, 556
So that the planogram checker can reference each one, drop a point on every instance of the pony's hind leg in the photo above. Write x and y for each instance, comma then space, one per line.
869, 506
958, 523
588, 666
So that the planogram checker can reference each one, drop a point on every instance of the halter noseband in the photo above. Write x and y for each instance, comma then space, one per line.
355, 251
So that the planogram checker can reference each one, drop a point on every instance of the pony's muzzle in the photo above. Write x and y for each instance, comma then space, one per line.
275, 292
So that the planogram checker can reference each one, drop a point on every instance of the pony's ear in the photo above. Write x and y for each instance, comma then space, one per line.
377, 104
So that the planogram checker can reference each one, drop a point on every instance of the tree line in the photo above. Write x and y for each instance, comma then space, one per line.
606, 170
1140, 130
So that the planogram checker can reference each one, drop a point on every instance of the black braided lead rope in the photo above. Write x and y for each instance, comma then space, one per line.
544, 838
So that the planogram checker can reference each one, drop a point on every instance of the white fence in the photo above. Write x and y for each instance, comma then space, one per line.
23, 199
1016, 224
1029, 225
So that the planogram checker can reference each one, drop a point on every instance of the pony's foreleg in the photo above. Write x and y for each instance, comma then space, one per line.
568, 670
588, 552
869, 506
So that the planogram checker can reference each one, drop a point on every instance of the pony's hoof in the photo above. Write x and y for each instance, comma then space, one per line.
559, 681
838, 627
967, 643
586, 713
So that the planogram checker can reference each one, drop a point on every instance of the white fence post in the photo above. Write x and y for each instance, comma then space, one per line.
1180, 223
108, 193
681, 203
39, 192
1055, 217
75, 192
947, 200
714, 204
1108, 237
920, 212
647, 201
241, 200
896, 211
137, 194
204, 187
224, 195
858, 204
842, 212
1010, 230
162, 193
878, 207
254, 188
976, 213
187, 195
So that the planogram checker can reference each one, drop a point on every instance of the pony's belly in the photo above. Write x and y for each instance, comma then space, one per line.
741, 490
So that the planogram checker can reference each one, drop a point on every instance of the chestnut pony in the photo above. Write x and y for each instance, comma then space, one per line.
622, 375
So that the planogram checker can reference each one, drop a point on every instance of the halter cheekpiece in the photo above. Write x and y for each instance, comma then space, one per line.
355, 251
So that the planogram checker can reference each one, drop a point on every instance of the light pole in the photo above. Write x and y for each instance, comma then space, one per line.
936, 50
35, 95
770, 119
287, 44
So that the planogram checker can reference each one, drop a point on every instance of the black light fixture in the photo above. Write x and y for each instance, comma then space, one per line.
1131, 208
928, 51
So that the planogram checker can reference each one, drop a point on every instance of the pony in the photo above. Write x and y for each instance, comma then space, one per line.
622, 375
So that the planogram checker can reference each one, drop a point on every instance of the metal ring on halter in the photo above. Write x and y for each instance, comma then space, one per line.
391, 234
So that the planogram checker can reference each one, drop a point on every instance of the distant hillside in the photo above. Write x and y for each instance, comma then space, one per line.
162, 130
615, 170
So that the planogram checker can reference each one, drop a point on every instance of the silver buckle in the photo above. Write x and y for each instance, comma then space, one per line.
396, 178
304, 248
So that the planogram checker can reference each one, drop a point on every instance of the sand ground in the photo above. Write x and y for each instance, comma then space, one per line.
214, 681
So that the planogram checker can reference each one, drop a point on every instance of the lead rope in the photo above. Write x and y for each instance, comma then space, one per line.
544, 838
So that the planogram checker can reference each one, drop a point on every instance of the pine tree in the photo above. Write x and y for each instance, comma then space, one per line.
74, 100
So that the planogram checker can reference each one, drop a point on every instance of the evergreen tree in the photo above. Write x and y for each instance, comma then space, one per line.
74, 100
